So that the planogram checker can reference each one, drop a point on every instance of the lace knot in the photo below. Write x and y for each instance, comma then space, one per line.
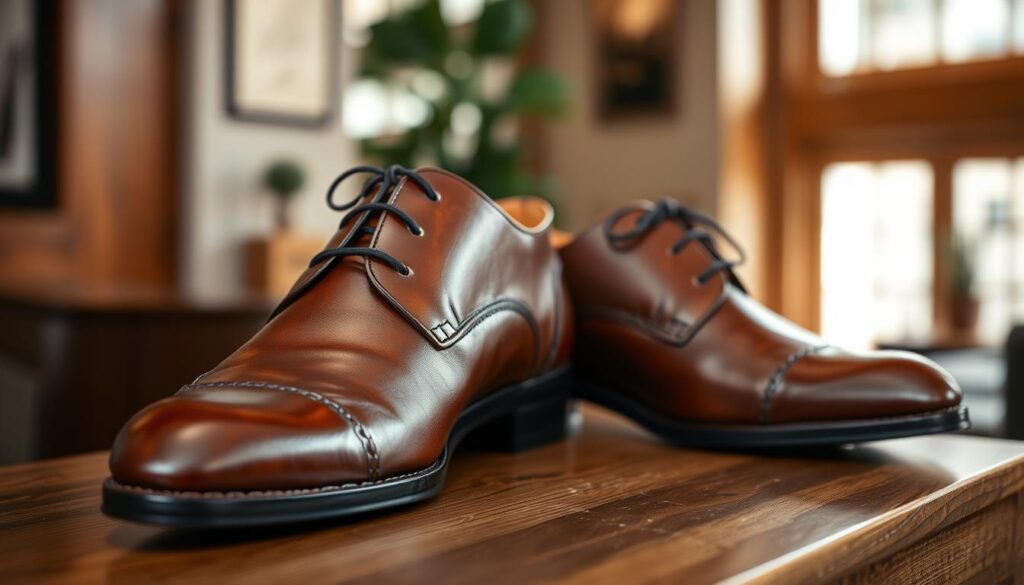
377, 188
689, 220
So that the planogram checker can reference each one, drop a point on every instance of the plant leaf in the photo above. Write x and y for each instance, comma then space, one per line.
415, 37
502, 27
538, 91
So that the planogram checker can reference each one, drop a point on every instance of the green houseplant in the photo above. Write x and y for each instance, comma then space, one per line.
471, 127
964, 303
283, 179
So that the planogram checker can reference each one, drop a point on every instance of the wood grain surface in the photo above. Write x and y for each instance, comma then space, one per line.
609, 505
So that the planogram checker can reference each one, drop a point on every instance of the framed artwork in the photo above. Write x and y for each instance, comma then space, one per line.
635, 57
28, 104
282, 60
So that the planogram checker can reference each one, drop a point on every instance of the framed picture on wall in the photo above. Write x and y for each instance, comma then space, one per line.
282, 60
635, 57
28, 104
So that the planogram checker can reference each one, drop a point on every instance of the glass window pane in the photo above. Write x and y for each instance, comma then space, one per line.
848, 202
983, 217
903, 33
981, 198
882, 35
1018, 248
839, 32
974, 29
876, 252
1018, 26
1017, 205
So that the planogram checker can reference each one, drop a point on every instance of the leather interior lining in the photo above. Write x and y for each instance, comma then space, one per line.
560, 239
531, 213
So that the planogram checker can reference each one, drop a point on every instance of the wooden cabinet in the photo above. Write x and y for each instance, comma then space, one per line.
76, 362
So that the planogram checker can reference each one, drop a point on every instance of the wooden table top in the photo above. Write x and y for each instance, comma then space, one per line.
609, 505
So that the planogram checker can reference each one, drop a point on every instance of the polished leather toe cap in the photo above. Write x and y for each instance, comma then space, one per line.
828, 385
237, 438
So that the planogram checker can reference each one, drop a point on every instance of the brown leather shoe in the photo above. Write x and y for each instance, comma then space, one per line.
667, 335
433, 311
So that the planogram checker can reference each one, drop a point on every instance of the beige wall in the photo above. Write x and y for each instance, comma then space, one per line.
223, 160
601, 165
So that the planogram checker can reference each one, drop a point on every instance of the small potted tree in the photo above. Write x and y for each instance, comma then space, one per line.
276, 260
283, 179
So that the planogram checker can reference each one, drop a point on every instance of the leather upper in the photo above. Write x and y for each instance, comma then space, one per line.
706, 351
362, 372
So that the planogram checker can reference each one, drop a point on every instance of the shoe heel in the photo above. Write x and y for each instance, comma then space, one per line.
526, 427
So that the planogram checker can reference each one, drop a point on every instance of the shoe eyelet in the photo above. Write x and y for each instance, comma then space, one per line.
420, 233
436, 198
697, 282
407, 274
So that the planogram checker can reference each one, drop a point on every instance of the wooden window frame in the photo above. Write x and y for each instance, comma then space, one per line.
805, 120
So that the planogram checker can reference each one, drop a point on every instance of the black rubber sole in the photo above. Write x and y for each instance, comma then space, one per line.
774, 436
516, 418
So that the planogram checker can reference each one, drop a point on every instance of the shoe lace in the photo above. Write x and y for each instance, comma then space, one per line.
379, 184
671, 210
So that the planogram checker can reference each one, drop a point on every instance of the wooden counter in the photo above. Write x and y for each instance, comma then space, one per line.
609, 505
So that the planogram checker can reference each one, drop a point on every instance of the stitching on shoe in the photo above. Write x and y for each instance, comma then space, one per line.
775, 382
241, 494
369, 447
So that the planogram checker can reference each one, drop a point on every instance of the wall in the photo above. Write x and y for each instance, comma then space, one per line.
223, 159
600, 165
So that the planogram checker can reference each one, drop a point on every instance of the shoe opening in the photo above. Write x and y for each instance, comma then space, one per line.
530, 213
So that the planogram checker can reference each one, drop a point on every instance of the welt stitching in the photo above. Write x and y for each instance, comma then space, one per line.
775, 381
287, 492
369, 447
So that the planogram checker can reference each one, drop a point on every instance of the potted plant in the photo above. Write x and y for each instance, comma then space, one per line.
472, 120
275, 260
283, 179
964, 302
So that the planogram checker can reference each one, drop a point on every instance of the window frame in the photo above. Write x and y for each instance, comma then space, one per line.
806, 120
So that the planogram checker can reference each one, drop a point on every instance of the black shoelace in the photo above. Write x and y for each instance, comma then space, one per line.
380, 184
668, 209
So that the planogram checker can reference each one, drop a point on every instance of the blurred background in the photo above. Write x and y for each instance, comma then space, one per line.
163, 165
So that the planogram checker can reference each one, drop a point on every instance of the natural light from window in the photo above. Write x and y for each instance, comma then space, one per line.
988, 215
877, 250
882, 35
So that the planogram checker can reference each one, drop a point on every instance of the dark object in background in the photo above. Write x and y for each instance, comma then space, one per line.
28, 105
282, 61
8, 90
76, 362
635, 57
1015, 384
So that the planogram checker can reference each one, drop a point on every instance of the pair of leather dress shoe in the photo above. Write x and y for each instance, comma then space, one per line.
435, 311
